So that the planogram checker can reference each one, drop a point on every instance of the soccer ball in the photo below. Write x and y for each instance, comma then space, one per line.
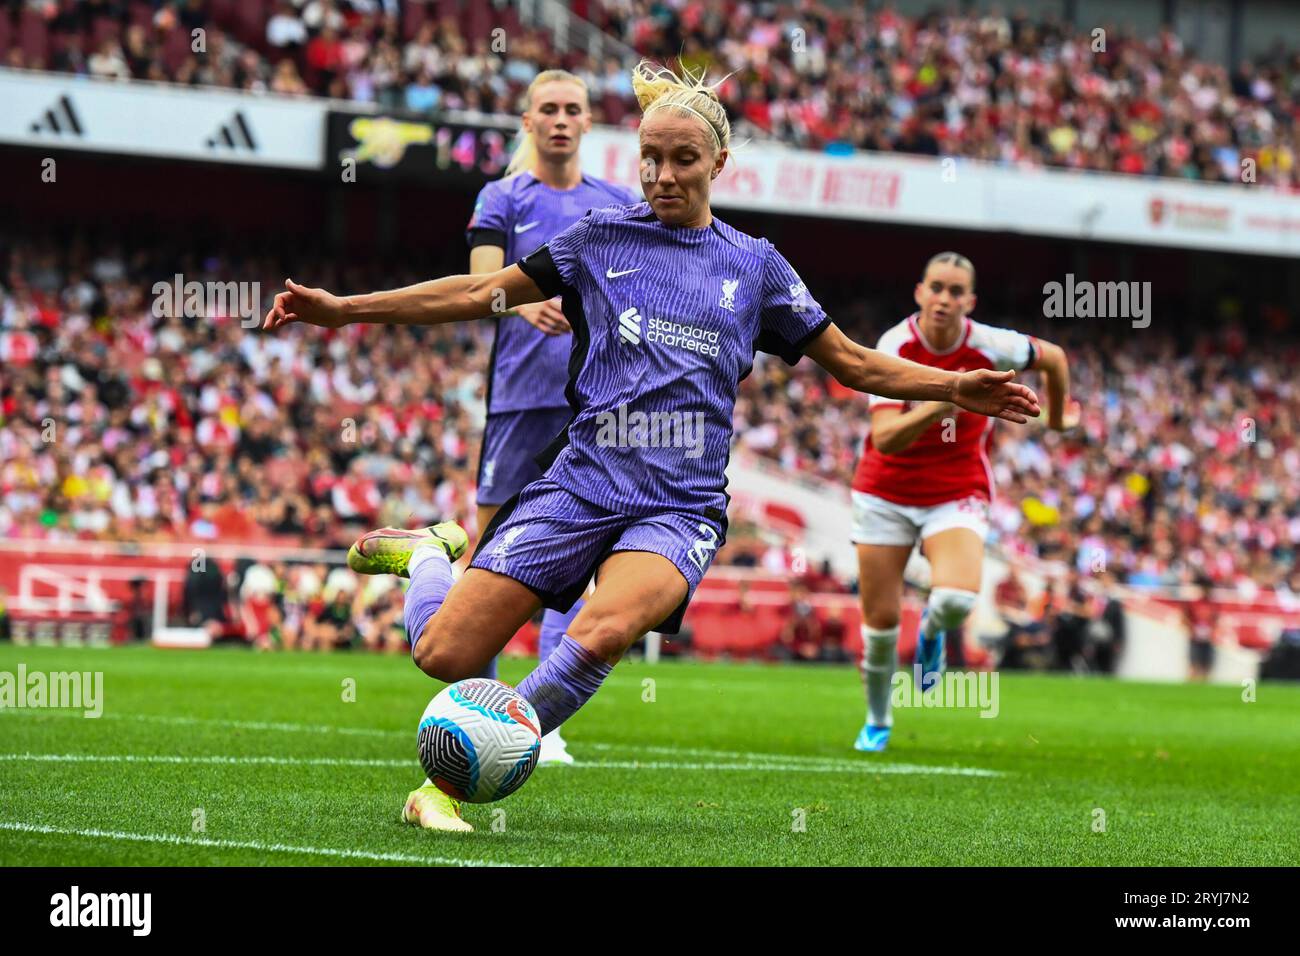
479, 740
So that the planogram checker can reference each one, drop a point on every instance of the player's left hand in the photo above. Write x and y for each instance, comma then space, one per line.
1069, 418
299, 303
994, 394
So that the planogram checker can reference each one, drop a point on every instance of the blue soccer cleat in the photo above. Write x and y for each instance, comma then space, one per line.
931, 655
872, 739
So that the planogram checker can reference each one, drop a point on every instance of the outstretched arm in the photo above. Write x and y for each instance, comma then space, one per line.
1051, 360
868, 370
546, 316
450, 299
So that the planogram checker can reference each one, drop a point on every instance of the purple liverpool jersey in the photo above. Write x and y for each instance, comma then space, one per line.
666, 322
520, 214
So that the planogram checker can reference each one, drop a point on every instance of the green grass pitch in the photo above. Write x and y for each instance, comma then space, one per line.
680, 764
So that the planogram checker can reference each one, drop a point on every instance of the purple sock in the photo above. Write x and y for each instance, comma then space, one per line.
490, 671
563, 682
430, 581
555, 624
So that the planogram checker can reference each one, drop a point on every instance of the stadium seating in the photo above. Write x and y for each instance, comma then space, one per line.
1124, 473
988, 86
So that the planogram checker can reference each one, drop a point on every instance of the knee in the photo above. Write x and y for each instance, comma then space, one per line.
606, 633
440, 659
950, 606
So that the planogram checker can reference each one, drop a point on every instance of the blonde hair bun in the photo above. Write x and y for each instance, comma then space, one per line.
657, 87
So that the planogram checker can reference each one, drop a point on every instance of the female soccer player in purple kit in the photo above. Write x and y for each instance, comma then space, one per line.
668, 306
542, 193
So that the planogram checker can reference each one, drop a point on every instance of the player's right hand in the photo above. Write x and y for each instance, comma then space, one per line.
993, 394
301, 304
546, 316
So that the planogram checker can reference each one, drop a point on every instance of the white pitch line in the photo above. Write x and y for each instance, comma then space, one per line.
220, 722
265, 725
207, 759
851, 765
736, 688
747, 755
863, 767
751, 766
171, 840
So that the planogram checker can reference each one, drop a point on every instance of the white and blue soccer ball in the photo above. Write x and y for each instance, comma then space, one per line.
479, 740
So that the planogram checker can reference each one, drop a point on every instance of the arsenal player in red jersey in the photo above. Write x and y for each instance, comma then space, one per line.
924, 476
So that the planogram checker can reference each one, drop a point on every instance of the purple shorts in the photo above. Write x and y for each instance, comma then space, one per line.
551, 541
511, 442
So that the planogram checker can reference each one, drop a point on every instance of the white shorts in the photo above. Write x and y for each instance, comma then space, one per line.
877, 521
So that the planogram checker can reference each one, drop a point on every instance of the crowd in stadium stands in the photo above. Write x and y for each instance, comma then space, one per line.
302, 606
1186, 467
997, 87
121, 423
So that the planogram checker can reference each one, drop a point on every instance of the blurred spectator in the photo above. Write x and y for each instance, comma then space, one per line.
205, 597
1028, 641
137, 613
379, 616
301, 593
331, 626
1283, 660
801, 634
1201, 621
109, 63
284, 30
835, 633
258, 612
1106, 631
822, 579
1069, 625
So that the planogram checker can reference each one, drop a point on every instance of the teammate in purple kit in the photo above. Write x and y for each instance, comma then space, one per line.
543, 193
668, 306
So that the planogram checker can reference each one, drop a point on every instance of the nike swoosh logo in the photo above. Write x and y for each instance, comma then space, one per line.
611, 274
515, 711
526, 227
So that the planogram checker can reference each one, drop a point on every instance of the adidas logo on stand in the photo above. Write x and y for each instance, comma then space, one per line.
59, 119
235, 134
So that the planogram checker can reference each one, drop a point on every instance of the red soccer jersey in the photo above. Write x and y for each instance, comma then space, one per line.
933, 471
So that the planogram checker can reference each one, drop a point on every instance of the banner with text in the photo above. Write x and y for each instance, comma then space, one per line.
966, 194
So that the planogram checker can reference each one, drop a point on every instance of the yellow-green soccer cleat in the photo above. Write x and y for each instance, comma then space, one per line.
387, 550
432, 809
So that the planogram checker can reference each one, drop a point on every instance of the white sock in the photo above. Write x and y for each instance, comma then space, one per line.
879, 661
423, 552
